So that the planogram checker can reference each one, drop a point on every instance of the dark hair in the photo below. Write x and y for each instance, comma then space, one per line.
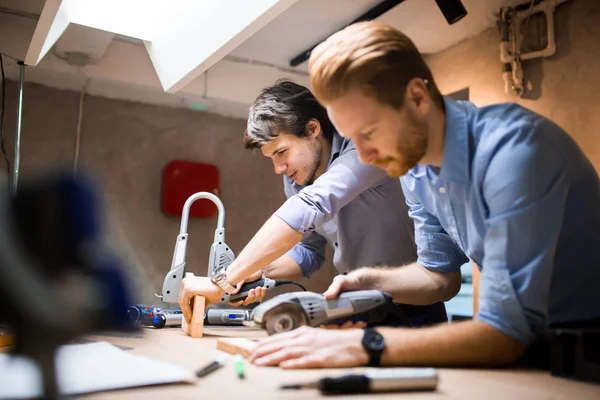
284, 107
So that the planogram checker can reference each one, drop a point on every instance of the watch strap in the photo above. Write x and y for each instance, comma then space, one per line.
374, 353
221, 281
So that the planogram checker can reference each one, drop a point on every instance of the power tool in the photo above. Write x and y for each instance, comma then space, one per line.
215, 316
145, 315
220, 257
289, 311
158, 317
212, 316
160, 320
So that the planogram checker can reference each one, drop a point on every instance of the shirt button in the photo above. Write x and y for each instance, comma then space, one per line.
336, 244
442, 189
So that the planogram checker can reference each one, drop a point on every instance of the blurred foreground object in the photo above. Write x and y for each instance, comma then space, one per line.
58, 279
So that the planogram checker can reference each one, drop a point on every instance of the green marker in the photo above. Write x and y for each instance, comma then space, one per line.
198, 106
239, 366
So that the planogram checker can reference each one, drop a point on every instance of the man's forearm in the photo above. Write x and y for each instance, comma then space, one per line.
283, 268
273, 240
470, 343
411, 284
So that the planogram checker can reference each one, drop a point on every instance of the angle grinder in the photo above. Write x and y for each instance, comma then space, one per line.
289, 311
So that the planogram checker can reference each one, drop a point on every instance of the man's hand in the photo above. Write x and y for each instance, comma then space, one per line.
307, 347
254, 295
346, 283
197, 285
346, 325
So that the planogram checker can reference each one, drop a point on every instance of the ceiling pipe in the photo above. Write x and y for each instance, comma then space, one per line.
453, 11
370, 14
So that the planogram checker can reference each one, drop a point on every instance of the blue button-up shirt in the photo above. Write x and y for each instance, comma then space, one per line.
353, 207
516, 195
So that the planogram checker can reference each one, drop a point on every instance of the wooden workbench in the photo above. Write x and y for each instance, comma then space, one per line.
171, 345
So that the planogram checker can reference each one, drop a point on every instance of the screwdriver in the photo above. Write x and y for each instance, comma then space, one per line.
376, 380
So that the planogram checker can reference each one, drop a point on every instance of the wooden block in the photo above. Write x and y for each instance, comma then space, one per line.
7, 340
234, 331
236, 346
196, 326
476, 277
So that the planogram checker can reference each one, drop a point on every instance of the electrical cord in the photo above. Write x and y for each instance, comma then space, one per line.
398, 312
2, 123
288, 282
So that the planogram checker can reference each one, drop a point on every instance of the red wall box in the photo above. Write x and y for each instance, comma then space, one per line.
181, 179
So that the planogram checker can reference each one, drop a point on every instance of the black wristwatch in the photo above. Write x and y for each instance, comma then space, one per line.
374, 344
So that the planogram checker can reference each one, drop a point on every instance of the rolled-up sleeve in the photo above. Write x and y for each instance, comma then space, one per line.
320, 202
309, 254
525, 189
436, 250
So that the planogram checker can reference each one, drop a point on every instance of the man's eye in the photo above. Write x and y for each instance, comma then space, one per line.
281, 152
367, 135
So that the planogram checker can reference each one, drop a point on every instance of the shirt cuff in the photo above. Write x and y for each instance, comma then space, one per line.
499, 306
297, 214
438, 253
440, 267
306, 259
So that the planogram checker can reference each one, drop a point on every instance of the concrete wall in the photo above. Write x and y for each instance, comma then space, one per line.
125, 146
564, 87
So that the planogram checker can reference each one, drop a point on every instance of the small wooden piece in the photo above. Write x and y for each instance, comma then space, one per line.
476, 277
7, 340
232, 331
236, 346
196, 326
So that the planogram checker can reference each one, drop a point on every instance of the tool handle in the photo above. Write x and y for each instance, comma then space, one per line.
348, 384
246, 287
161, 320
381, 380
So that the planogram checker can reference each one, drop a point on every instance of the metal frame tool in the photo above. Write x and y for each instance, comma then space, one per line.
220, 256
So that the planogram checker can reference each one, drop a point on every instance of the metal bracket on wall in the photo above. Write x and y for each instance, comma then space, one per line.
516, 35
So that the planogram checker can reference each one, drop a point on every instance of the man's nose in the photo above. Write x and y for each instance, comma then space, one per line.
280, 168
366, 154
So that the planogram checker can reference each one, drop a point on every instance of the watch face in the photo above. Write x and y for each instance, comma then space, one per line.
375, 341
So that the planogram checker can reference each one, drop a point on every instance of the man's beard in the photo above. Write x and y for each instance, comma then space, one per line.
314, 166
410, 149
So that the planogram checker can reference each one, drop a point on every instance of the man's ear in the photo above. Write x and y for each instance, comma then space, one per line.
417, 95
313, 128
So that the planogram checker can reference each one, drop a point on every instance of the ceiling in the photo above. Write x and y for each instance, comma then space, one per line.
309, 21
27, 6
263, 57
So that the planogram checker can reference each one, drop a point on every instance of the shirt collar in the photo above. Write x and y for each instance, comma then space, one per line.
455, 165
336, 147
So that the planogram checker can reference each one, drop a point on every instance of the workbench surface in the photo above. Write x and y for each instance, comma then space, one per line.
171, 345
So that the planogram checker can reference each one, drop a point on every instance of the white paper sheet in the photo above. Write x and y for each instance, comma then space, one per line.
86, 368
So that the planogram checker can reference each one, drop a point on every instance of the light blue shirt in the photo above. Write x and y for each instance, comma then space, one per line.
353, 207
516, 195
